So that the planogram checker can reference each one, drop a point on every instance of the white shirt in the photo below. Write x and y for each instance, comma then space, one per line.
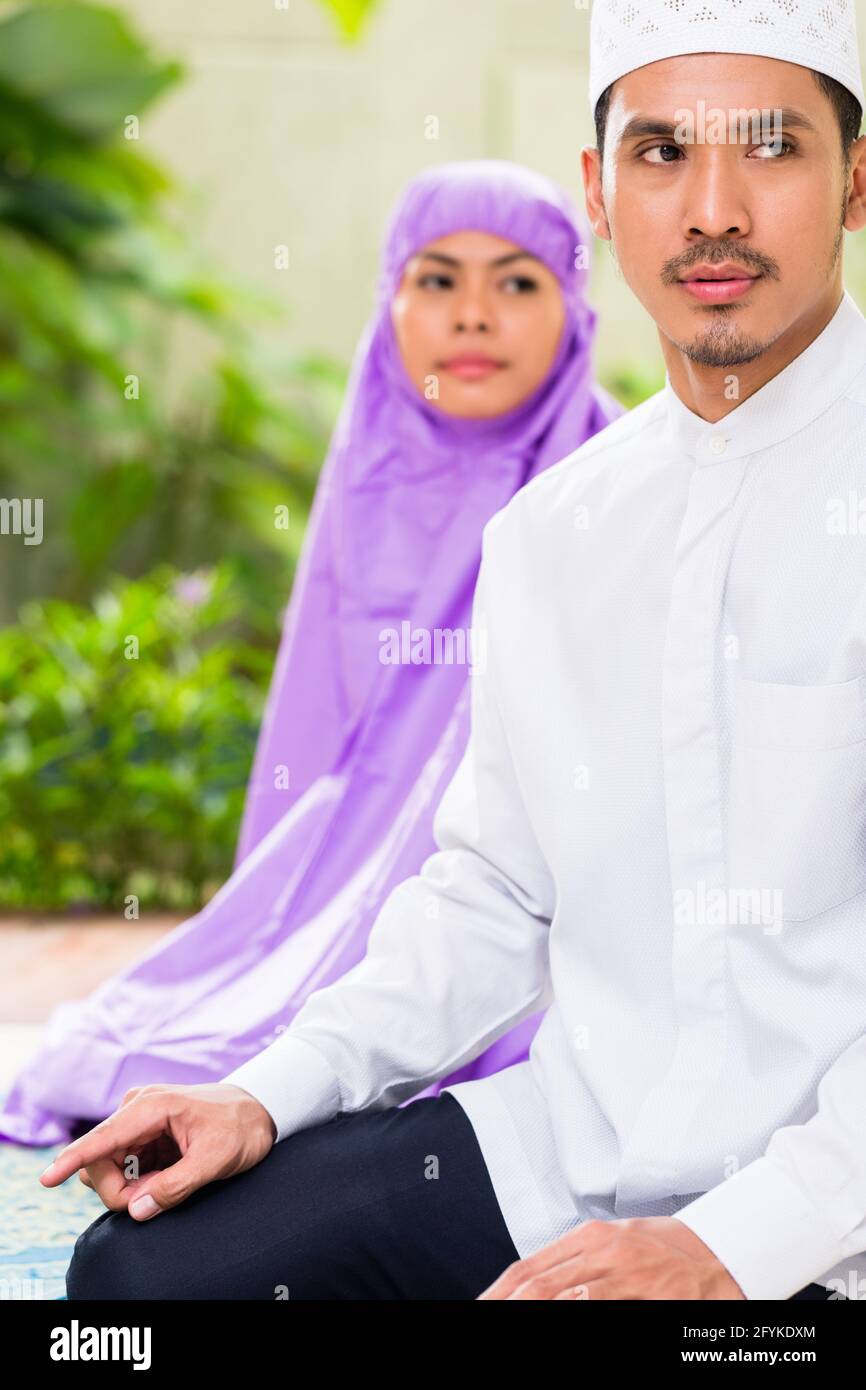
658, 830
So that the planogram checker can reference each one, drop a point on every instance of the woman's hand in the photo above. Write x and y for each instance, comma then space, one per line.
165, 1142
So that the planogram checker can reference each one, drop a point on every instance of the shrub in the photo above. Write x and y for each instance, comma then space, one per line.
126, 734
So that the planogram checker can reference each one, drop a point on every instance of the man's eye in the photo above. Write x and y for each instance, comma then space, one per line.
663, 151
772, 148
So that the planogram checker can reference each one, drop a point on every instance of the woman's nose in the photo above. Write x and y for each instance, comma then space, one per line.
473, 314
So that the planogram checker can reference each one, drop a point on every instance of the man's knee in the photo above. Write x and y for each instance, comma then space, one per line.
103, 1265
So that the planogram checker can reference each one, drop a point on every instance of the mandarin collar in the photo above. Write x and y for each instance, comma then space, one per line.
814, 380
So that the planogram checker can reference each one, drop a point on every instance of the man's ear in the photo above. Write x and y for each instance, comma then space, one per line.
590, 164
855, 217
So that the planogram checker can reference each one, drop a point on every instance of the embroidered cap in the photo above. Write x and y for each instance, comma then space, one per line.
628, 34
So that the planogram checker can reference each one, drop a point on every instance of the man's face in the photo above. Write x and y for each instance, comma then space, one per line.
770, 206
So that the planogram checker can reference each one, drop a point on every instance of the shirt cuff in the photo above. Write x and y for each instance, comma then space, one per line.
765, 1231
294, 1083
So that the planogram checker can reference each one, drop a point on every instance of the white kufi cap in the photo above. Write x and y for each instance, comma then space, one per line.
628, 34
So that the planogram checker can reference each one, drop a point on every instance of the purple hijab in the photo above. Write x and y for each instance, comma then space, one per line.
367, 748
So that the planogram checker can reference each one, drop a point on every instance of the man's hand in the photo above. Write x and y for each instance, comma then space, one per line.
163, 1143
646, 1257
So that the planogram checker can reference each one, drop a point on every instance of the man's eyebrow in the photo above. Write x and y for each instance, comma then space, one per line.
500, 260
641, 126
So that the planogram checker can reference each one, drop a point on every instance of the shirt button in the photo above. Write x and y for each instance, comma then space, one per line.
718, 444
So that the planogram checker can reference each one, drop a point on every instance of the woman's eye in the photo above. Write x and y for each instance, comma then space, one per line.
659, 149
520, 284
435, 280
772, 148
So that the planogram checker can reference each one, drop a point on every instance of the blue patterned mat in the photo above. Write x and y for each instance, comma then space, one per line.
40, 1225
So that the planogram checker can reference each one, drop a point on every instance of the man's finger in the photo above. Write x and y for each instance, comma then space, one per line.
570, 1274
572, 1243
595, 1290
109, 1183
130, 1127
169, 1187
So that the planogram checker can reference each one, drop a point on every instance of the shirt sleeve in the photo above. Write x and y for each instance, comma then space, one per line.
800, 1209
457, 955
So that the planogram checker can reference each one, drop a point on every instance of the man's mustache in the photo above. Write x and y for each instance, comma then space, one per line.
715, 254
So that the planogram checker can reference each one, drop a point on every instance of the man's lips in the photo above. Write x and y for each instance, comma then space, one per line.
716, 284
472, 366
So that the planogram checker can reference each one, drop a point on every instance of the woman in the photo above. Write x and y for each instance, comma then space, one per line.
472, 376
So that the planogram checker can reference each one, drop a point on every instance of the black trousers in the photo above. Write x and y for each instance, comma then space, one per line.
391, 1204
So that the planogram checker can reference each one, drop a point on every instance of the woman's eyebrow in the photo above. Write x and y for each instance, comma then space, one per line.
514, 256
500, 260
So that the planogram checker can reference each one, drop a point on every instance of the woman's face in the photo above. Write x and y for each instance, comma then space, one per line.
478, 322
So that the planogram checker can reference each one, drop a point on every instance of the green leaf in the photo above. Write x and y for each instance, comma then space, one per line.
82, 65
351, 15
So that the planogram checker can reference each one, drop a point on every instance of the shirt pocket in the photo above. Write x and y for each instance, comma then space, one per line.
797, 804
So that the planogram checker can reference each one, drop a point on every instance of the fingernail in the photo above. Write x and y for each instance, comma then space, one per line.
143, 1207
49, 1169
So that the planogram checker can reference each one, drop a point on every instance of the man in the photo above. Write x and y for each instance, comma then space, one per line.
659, 826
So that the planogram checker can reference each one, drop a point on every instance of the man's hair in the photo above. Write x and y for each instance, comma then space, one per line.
849, 112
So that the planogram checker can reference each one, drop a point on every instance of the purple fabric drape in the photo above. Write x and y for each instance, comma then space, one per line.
367, 747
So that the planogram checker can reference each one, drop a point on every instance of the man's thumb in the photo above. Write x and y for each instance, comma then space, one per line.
166, 1189
144, 1207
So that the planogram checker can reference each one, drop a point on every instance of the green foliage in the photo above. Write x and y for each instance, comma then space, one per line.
351, 15
126, 732
79, 67
98, 272
122, 776
632, 383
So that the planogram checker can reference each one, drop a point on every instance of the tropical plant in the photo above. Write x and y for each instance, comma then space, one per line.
126, 731
124, 775
97, 271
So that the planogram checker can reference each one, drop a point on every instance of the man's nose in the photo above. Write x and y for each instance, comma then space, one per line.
715, 204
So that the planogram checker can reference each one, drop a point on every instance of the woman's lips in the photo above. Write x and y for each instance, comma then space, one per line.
471, 367
720, 291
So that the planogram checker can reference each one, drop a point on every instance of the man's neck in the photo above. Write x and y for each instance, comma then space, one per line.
706, 391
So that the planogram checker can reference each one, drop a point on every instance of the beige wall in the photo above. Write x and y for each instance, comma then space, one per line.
290, 136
